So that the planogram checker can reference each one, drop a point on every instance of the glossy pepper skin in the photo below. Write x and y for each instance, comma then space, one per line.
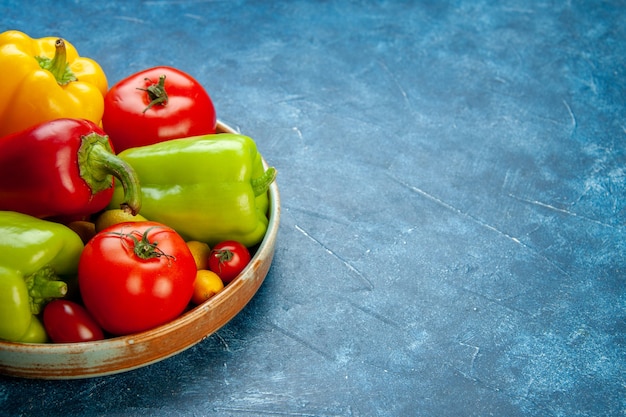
208, 188
45, 79
64, 167
34, 256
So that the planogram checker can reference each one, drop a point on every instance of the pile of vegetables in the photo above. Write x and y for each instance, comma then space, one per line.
121, 207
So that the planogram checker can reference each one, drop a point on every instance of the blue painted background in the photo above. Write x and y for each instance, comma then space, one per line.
453, 181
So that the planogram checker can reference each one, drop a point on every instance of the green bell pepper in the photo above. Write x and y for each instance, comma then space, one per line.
35, 254
208, 188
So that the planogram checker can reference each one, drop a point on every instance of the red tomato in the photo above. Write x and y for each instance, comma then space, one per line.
141, 109
228, 259
68, 322
134, 276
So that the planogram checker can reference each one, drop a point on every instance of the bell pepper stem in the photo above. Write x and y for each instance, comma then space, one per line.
261, 184
58, 65
43, 286
97, 163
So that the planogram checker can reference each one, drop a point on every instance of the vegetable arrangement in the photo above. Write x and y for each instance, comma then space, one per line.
120, 208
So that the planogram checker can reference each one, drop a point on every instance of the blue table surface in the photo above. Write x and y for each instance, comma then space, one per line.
453, 185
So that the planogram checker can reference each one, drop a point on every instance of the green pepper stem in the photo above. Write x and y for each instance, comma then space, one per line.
58, 65
97, 163
43, 286
262, 184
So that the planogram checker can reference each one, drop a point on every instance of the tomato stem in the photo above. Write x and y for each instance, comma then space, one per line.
224, 255
156, 93
144, 249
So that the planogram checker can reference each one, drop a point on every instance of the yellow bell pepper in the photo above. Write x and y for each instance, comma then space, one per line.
45, 79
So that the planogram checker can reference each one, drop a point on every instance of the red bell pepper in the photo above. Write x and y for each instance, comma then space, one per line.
63, 167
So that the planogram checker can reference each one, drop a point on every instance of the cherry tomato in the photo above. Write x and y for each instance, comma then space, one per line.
154, 105
134, 276
228, 259
68, 322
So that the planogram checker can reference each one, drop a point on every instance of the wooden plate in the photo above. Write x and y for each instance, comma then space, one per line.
110, 356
